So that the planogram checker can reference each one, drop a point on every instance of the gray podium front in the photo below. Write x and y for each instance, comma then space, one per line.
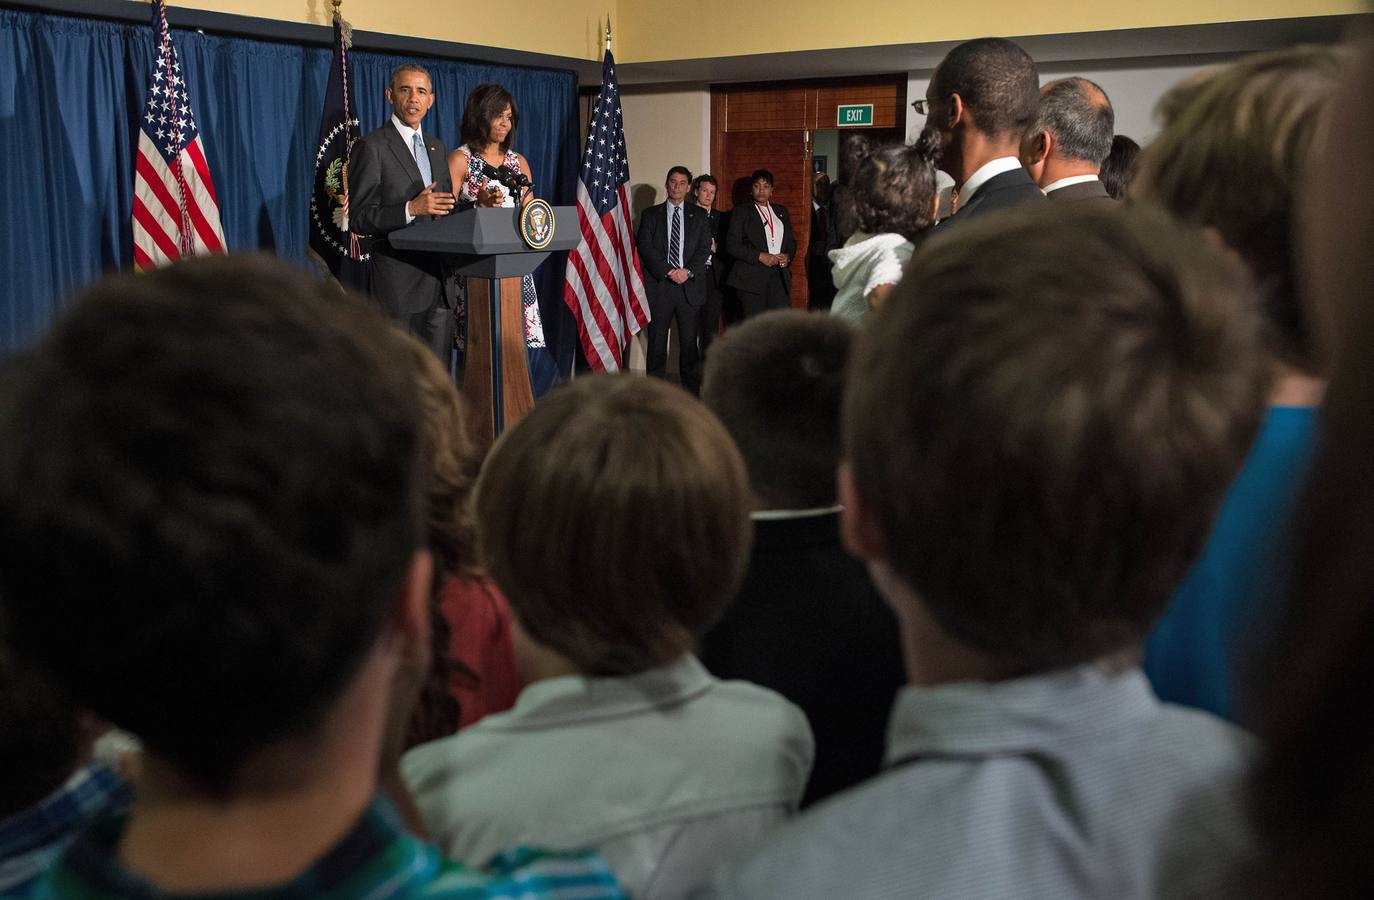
485, 246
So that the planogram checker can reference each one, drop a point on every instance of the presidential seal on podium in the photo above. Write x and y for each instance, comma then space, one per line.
537, 224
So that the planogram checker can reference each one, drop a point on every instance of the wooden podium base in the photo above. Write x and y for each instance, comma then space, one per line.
496, 377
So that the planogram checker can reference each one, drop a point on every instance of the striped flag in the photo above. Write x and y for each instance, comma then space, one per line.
604, 286
175, 211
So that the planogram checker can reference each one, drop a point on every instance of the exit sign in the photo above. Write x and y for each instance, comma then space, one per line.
854, 115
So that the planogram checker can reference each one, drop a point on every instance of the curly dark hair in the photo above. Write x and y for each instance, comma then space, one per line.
895, 189
484, 104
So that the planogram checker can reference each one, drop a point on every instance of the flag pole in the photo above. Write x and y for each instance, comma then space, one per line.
608, 32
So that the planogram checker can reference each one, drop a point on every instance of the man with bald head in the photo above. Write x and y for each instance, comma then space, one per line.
1071, 136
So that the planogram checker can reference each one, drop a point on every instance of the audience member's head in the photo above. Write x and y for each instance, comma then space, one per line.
776, 381
615, 519
451, 462
1118, 169
1072, 134
981, 99
854, 149
1313, 799
1236, 144
211, 512
895, 191
1035, 450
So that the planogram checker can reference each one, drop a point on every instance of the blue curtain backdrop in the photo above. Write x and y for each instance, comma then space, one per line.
70, 93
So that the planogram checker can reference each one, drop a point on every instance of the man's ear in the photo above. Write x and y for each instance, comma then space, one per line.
957, 111
410, 611
1036, 147
860, 529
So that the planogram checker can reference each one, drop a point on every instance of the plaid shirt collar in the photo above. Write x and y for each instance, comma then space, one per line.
31, 840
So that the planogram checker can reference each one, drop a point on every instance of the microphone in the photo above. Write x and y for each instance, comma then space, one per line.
513, 180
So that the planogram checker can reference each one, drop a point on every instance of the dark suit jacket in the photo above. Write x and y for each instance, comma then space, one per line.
997, 193
808, 623
1084, 190
747, 238
382, 178
652, 241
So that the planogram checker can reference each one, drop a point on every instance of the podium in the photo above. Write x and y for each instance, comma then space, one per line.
485, 246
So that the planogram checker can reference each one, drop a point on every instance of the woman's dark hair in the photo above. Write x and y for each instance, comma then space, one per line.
1119, 167
485, 103
895, 189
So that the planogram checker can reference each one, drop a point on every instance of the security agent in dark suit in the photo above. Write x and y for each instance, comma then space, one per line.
762, 243
674, 241
397, 176
1072, 135
980, 101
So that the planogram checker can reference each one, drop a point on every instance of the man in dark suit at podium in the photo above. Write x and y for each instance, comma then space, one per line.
674, 242
398, 175
981, 99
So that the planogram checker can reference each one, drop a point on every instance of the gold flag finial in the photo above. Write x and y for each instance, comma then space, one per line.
608, 32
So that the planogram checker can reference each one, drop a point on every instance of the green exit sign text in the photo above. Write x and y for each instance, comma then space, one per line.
854, 115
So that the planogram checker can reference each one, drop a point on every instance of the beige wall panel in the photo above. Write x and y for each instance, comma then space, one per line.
665, 126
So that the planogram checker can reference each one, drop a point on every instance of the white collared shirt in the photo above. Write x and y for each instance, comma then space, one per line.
663, 772
986, 172
1065, 182
682, 235
772, 227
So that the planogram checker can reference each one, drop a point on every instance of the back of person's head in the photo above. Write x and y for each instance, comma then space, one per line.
854, 149
1078, 115
41, 740
1044, 442
776, 381
1118, 169
615, 519
1313, 798
895, 189
996, 80
451, 461
1232, 157
209, 493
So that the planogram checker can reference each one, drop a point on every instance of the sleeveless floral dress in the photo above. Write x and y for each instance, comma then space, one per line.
472, 185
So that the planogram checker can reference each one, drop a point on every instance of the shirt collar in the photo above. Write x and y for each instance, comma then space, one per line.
1065, 182
575, 698
406, 131
975, 718
986, 172
31, 839
378, 852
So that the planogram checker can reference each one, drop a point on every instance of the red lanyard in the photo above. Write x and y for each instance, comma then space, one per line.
767, 217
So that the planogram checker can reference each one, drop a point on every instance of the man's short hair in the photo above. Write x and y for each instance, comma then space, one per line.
209, 493
1079, 115
776, 381
1045, 442
409, 67
996, 80
615, 518
895, 189
762, 175
1233, 156
678, 170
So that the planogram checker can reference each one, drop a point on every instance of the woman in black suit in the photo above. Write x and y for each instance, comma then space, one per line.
762, 244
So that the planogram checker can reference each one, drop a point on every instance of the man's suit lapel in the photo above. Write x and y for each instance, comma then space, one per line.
404, 158
438, 165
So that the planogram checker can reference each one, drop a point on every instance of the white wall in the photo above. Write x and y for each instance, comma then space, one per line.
665, 126
1134, 86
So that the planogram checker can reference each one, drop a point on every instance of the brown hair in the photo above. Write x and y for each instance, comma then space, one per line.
614, 517
776, 382
1233, 155
451, 464
1045, 441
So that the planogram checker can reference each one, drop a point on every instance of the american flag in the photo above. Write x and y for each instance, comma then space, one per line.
175, 211
604, 286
